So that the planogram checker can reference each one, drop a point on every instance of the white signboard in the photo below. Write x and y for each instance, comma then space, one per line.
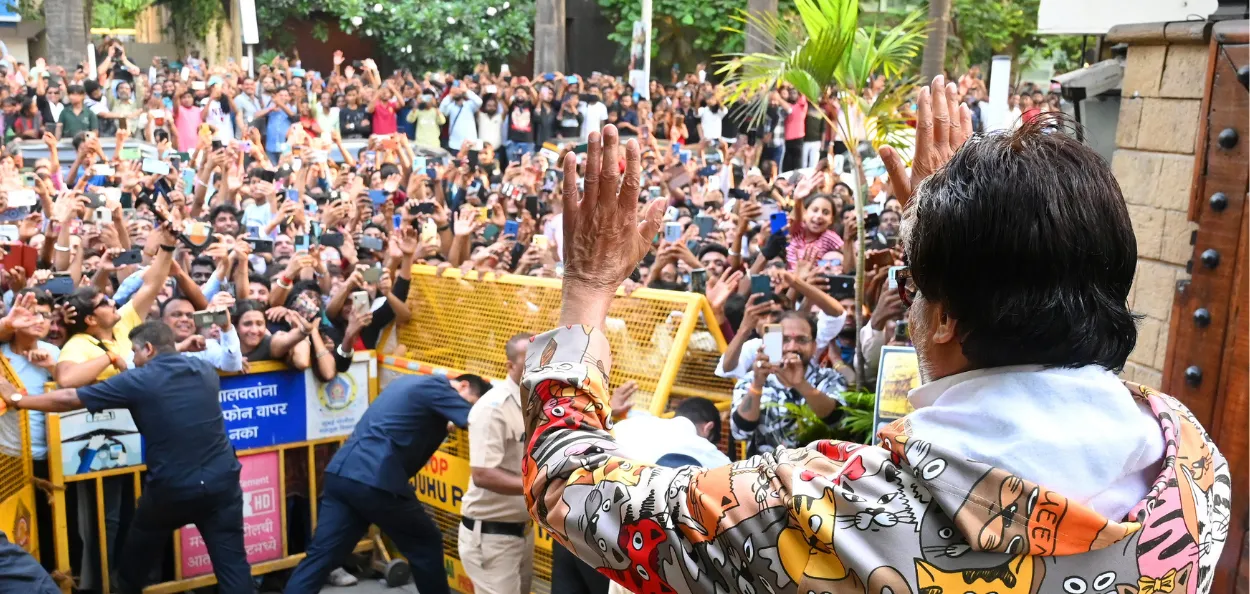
1082, 17
247, 11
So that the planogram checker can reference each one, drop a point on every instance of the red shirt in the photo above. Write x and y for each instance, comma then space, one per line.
384, 121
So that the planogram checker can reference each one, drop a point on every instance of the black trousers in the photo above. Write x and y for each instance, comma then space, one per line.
344, 513
570, 575
794, 155
43, 520
219, 517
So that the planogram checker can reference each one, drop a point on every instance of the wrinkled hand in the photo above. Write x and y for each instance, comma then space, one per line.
192, 344
943, 124
603, 238
41, 358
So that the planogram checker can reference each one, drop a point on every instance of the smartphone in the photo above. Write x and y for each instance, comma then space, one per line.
893, 280
378, 197
371, 274
684, 156
901, 332
369, 159
155, 166
841, 286
10, 234
426, 208
218, 144
706, 224
260, 246
266, 175
59, 284
777, 223
188, 179
131, 154
539, 241
371, 243
103, 169
773, 341
301, 243
334, 240
101, 215
22, 198
511, 228
531, 204
360, 303
761, 284
203, 319
654, 191
175, 161
397, 220
672, 232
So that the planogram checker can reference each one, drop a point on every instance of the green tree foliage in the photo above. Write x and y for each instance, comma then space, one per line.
117, 14
191, 20
417, 34
683, 32
981, 29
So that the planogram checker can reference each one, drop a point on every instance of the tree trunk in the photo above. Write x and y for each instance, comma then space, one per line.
549, 36
935, 45
67, 33
757, 40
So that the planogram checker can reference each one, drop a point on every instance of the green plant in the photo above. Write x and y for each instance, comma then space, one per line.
191, 20
855, 424
117, 14
829, 51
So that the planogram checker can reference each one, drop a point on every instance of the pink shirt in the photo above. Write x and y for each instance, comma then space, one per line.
800, 248
796, 122
187, 123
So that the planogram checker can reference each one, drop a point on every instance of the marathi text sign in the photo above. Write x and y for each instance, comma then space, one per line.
898, 375
264, 409
262, 518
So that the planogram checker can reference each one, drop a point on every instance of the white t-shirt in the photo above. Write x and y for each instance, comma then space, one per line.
711, 122
646, 438
593, 117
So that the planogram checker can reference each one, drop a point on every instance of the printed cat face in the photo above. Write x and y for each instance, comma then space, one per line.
1014, 576
997, 511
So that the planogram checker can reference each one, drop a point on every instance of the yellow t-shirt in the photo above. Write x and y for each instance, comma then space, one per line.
83, 347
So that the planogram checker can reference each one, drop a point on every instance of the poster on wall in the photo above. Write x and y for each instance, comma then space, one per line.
898, 375
99, 441
264, 409
262, 518
335, 406
17, 519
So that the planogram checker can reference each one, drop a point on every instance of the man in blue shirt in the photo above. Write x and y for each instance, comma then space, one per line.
367, 480
193, 474
281, 113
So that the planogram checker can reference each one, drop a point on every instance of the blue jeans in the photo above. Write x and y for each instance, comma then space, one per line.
517, 149
344, 513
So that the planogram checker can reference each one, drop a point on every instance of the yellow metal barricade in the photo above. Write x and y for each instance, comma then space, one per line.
133, 472
666, 341
17, 488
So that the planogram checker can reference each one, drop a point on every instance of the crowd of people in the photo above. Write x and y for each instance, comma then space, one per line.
291, 206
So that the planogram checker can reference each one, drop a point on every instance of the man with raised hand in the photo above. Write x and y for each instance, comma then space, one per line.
1021, 258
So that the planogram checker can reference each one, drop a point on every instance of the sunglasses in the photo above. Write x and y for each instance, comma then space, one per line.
906, 286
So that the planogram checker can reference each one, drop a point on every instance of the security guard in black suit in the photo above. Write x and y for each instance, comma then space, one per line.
367, 480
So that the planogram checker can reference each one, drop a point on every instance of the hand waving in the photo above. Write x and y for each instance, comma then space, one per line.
943, 124
603, 238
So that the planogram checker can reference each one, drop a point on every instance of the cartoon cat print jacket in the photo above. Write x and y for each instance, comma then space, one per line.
905, 518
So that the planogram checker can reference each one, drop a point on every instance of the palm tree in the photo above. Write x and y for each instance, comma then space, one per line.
829, 49
67, 37
935, 47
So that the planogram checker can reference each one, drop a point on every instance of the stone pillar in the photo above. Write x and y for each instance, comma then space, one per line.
549, 37
757, 40
1164, 80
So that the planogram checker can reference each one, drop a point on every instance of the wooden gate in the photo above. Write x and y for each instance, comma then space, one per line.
1206, 364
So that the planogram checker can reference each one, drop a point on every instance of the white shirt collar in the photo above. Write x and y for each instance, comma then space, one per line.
928, 394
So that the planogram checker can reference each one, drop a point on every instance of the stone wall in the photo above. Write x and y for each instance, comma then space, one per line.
1164, 79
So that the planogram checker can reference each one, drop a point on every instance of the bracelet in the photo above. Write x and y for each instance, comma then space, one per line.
752, 391
444, 227
283, 284
60, 249
169, 248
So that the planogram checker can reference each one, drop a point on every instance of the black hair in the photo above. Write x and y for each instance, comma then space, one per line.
298, 288
389, 169
42, 297
800, 315
712, 247
155, 333
845, 185
203, 261
245, 305
477, 383
807, 202
1025, 240
735, 309
83, 301
258, 279
220, 208
75, 90
165, 303
700, 411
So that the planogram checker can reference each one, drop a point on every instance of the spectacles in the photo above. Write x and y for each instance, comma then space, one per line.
906, 286
47, 315
103, 302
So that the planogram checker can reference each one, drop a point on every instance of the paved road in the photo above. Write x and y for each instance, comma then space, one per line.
370, 587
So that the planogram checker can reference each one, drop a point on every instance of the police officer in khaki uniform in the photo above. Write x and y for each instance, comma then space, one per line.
496, 538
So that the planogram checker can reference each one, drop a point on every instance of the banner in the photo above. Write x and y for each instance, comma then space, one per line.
99, 441
262, 518
899, 374
264, 409
443, 481
17, 519
334, 407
